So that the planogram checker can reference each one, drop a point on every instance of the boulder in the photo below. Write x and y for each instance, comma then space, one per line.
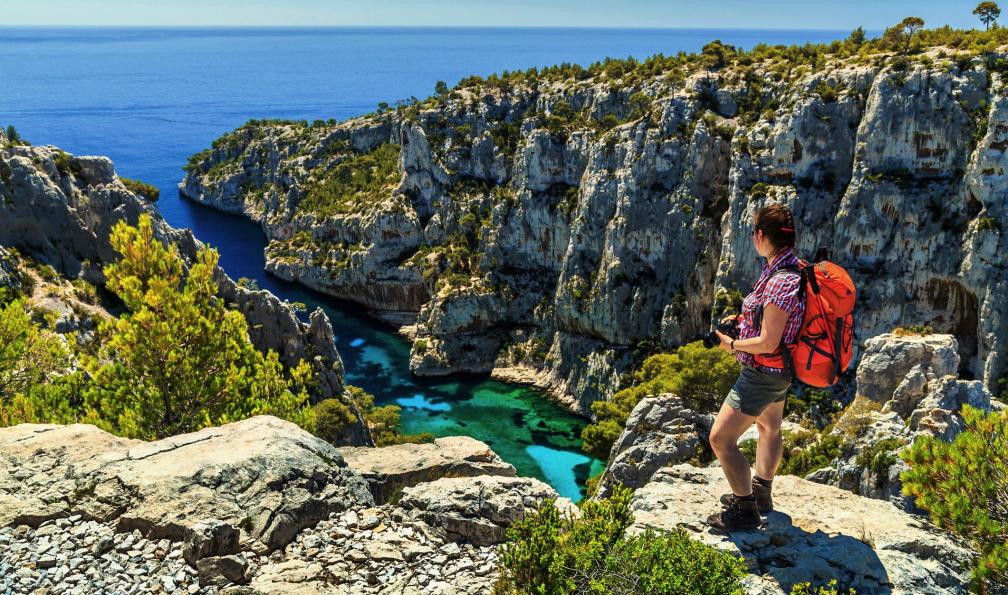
219, 571
263, 475
209, 538
892, 361
660, 431
390, 468
478, 510
815, 533
907, 387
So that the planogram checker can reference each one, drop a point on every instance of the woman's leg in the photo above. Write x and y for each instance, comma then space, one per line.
769, 447
728, 426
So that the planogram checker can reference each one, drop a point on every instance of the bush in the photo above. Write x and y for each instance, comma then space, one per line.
151, 193
699, 376
62, 162
829, 588
879, 456
355, 184
964, 487
550, 554
803, 452
29, 354
332, 419
14, 137
913, 330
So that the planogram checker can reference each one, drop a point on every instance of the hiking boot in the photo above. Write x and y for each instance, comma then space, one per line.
738, 515
764, 501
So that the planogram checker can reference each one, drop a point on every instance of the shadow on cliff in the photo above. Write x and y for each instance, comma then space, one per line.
790, 554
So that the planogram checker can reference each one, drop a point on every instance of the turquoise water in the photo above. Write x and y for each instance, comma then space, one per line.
150, 97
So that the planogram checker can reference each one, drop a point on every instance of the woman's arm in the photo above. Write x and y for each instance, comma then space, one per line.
771, 331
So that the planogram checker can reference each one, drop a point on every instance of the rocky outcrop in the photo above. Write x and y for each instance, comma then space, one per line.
257, 506
477, 510
263, 475
390, 469
659, 432
815, 533
542, 246
907, 387
59, 209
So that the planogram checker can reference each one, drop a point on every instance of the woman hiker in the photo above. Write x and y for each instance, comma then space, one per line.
759, 393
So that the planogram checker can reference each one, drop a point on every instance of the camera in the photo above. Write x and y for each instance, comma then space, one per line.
710, 338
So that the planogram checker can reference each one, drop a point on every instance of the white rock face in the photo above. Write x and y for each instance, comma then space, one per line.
591, 243
815, 533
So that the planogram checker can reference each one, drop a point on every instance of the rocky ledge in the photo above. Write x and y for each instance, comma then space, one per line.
815, 533
256, 506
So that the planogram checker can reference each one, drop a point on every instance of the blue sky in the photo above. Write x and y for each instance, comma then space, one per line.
791, 14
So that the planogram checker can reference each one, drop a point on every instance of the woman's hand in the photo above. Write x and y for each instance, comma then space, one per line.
727, 319
725, 341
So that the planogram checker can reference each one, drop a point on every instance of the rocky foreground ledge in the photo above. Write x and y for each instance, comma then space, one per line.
260, 506
256, 506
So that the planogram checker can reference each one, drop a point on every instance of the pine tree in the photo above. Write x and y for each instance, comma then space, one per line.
964, 486
179, 360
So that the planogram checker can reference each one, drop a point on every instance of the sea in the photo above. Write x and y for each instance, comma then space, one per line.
149, 97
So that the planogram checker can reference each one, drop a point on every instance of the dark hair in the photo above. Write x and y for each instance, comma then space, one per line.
777, 224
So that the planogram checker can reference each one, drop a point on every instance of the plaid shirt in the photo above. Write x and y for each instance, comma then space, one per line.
782, 291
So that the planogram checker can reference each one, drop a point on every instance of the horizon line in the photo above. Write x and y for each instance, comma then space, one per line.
394, 26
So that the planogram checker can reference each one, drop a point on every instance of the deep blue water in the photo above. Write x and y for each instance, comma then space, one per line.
150, 97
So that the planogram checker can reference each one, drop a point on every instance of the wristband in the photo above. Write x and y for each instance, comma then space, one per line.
732, 344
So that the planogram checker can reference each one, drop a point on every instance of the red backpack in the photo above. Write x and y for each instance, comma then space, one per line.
824, 345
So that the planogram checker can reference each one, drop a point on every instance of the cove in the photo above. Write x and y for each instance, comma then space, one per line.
520, 424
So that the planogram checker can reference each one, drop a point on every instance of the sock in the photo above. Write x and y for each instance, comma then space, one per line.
745, 498
763, 482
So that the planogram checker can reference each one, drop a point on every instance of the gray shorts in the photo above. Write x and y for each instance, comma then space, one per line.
755, 389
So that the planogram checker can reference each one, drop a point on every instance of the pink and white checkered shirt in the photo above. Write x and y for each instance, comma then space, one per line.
780, 290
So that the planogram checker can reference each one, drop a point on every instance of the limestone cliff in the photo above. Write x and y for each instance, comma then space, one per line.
544, 227
58, 209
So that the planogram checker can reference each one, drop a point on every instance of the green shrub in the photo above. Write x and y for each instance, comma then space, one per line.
14, 138
640, 104
987, 224
550, 554
879, 456
803, 452
829, 588
383, 422
964, 487
62, 162
913, 330
332, 419
29, 354
151, 193
699, 376
817, 405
